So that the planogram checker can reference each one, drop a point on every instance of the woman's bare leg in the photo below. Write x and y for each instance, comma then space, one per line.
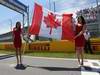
20, 55
78, 54
17, 56
82, 55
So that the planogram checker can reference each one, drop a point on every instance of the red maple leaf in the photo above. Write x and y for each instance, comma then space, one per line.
51, 21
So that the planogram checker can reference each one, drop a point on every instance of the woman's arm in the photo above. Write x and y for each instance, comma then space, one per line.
81, 32
13, 34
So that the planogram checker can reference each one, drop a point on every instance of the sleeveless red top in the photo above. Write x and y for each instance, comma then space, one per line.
79, 41
17, 38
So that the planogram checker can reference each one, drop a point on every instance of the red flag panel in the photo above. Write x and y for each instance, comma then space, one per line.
36, 20
67, 28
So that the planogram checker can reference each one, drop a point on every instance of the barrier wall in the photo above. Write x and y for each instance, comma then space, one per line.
9, 46
2, 46
64, 46
95, 43
59, 46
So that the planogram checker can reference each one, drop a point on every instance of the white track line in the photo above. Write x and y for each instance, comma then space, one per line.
89, 63
58, 58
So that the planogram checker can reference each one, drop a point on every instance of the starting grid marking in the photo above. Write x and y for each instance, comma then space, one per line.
91, 67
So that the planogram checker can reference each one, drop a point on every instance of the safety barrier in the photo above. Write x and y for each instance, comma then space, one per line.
58, 46
40, 46
95, 43
64, 46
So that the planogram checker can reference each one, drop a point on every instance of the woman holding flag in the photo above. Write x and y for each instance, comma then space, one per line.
17, 41
79, 39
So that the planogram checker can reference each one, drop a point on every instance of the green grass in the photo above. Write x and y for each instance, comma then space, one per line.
52, 54
7, 51
63, 55
55, 54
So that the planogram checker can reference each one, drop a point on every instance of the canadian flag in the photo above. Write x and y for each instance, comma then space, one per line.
46, 23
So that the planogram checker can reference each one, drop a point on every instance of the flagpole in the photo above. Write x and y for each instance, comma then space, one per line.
49, 5
54, 6
11, 25
97, 3
98, 15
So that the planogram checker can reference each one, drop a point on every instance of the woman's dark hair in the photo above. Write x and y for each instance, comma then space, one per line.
82, 19
18, 23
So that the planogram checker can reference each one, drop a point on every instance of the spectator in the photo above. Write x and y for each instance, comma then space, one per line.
87, 47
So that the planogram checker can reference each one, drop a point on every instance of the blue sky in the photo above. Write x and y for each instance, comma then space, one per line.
6, 15
74, 5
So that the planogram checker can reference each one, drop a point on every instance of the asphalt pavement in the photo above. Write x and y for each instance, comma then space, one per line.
48, 66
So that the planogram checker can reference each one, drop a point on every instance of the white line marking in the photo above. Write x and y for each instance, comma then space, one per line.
50, 58
58, 58
94, 69
89, 73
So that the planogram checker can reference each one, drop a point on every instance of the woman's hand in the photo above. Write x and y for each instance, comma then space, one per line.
75, 37
79, 34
